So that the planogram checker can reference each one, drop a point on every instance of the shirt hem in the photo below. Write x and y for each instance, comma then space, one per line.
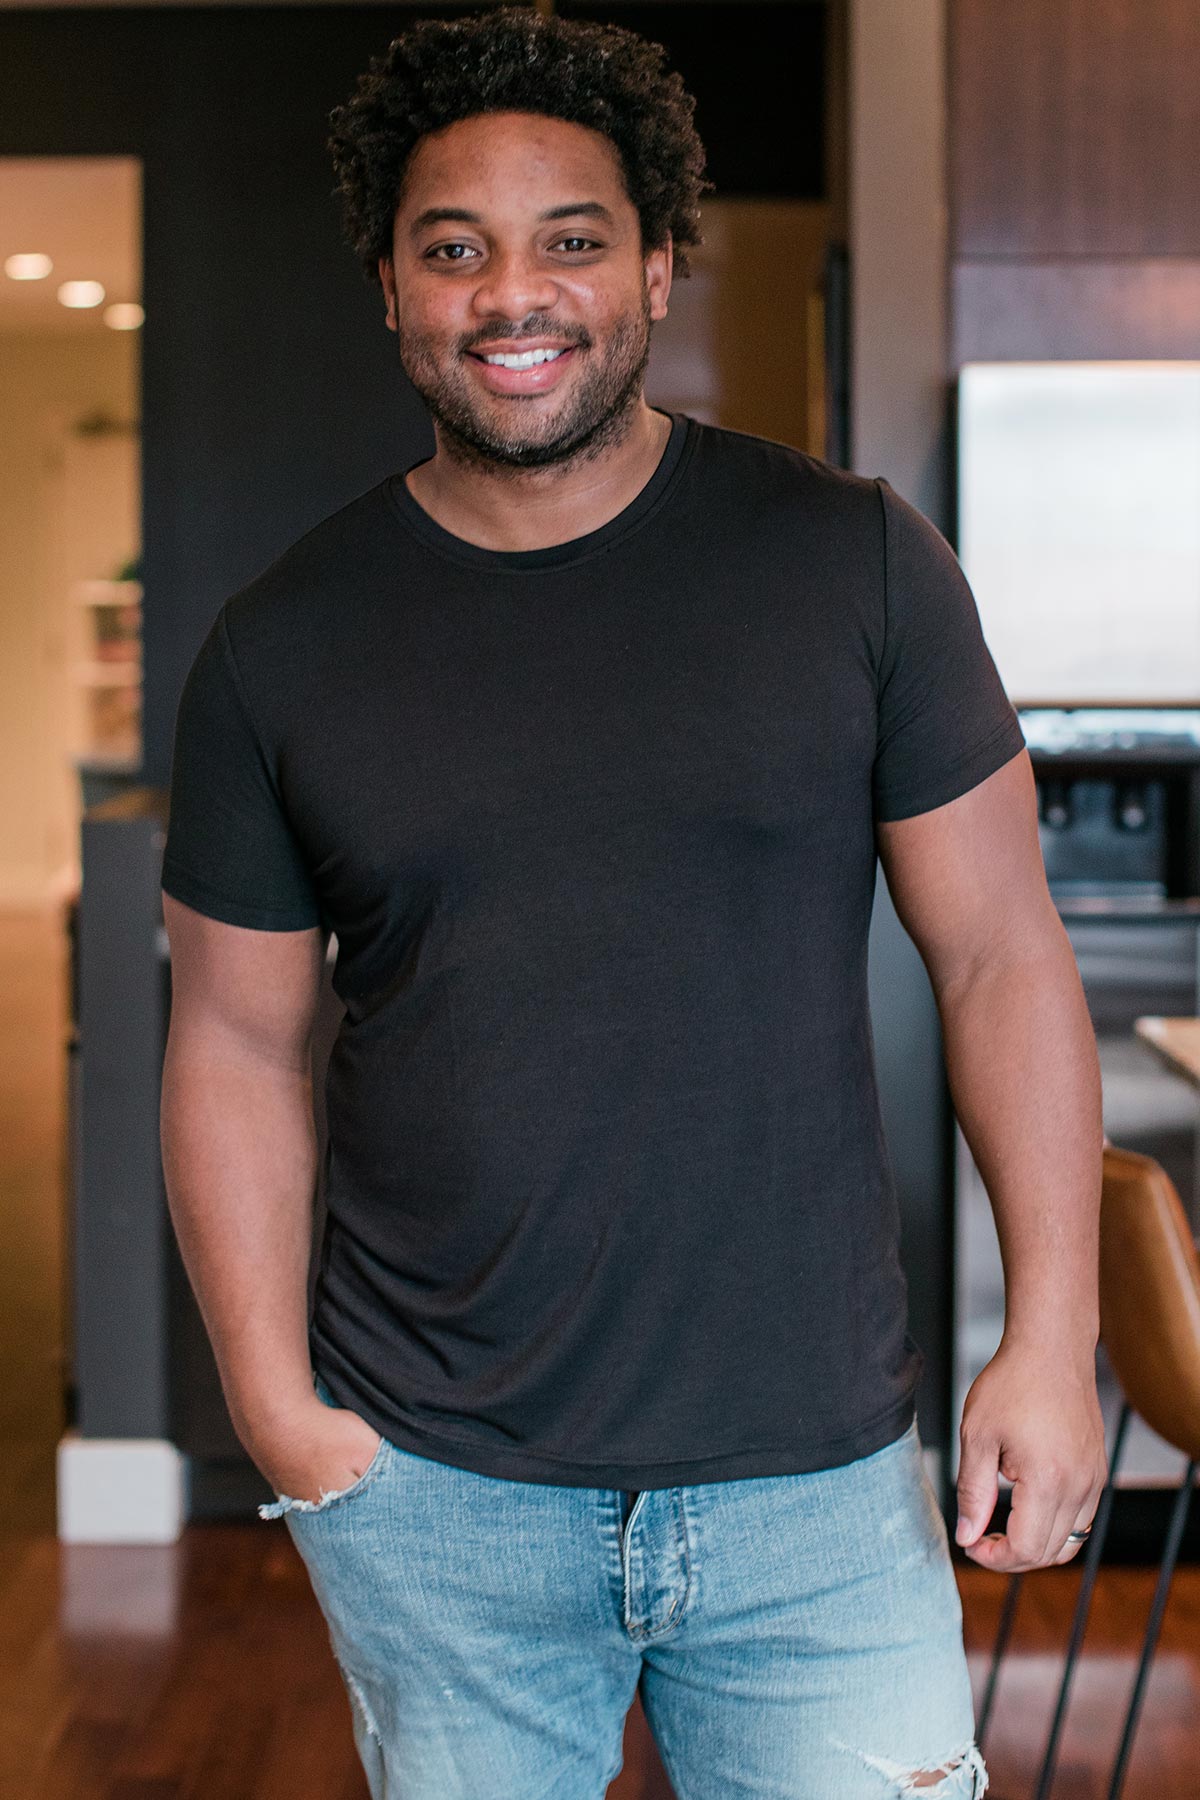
231, 912
998, 748
522, 1464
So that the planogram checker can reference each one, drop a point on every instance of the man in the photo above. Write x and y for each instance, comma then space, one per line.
583, 737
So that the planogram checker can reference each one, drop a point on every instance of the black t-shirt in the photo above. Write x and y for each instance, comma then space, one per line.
609, 1202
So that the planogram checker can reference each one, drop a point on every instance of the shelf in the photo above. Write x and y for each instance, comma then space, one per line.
107, 593
1147, 908
107, 762
124, 673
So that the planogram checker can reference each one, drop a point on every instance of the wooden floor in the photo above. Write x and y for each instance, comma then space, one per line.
202, 1670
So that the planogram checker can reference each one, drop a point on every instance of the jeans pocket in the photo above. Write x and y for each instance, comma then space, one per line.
333, 1497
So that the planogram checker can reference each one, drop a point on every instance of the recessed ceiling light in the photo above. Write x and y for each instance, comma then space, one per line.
81, 293
124, 315
29, 265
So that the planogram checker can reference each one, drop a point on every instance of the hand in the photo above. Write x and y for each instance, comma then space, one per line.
1034, 1416
313, 1450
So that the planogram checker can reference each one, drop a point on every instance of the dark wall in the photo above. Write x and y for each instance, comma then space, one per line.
271, 389
756, 69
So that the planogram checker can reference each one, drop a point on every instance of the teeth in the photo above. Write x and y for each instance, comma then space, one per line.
527, 359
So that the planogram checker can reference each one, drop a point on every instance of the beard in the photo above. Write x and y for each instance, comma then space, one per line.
519, 433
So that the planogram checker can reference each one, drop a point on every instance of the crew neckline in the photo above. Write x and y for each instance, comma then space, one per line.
675, 456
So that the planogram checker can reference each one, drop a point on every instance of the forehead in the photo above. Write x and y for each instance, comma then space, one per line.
512, 157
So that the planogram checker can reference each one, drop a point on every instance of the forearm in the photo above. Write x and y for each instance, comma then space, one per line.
1025, 1080
239, 1158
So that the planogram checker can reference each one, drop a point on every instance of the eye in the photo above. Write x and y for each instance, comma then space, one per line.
431, 254
581, 240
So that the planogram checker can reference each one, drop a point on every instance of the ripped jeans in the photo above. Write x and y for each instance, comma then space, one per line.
792, 1637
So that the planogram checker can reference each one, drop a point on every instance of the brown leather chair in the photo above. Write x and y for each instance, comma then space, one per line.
1150, 1329
1150, 1296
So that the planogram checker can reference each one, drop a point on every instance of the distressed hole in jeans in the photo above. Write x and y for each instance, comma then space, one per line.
359, 1701
960, 1776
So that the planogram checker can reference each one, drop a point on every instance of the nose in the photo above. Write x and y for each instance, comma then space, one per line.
514, 285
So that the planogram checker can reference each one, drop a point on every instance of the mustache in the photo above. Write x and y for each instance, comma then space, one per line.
537, 324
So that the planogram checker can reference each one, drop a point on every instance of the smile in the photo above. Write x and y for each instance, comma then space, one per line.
525, 360
522, 371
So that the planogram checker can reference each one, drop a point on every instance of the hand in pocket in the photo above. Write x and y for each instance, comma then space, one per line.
316, 1451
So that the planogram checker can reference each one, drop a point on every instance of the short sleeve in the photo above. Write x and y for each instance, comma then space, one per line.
230, 851
944, 720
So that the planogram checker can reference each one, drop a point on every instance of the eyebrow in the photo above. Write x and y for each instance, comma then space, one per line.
436, 215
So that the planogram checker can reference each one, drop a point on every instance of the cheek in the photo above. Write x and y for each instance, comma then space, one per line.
422, 297
601, 306
433, 322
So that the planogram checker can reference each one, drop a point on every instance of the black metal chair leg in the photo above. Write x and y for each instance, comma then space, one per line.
1179, 1514
1082, 1605
1003, 1633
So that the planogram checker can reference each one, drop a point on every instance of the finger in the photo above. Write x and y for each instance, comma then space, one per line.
997, 1552
1084, 1521
1038, 1519
1000, 1552
994, 1551
977, 1488
1060, 1547
1036, 1530
1068, 1547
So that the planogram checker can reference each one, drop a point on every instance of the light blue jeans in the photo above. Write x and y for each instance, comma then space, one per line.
792, 1637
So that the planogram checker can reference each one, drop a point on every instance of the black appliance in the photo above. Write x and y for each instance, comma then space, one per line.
1118, 800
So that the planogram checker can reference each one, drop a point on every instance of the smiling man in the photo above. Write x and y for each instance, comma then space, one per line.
583, 737
565, 393
543, 432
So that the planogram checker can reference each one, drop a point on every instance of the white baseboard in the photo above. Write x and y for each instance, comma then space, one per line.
120, 1490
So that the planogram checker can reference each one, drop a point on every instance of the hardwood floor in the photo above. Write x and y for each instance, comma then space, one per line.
202, 1670
1166, 1750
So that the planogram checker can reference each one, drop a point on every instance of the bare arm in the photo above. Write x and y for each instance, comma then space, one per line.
240, 1161
969, 885
239, 1150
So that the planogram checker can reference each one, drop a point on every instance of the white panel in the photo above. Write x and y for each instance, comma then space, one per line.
1079, 526
119, 1490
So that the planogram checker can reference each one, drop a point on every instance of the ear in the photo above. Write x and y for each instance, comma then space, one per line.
387, 277
658, 278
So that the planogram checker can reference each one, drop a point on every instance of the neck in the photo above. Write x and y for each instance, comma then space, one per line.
500, 507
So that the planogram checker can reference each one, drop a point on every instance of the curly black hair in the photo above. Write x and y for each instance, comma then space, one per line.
512, 59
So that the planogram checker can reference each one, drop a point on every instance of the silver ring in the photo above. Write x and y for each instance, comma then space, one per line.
1079, 1537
